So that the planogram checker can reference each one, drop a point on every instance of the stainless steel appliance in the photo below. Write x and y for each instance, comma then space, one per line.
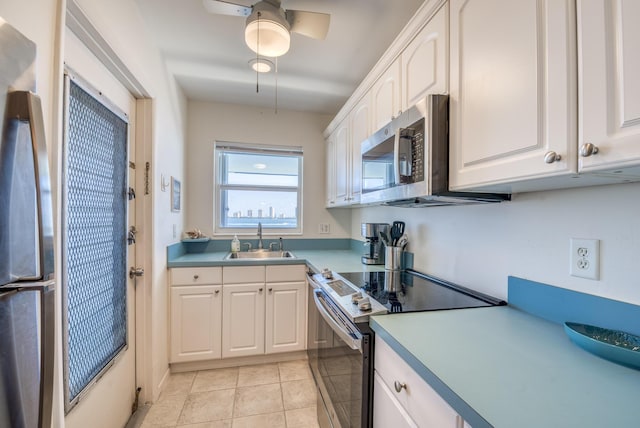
374, 248
406, 163
26, 243
341, 344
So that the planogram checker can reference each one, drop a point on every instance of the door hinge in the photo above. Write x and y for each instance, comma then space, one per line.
131, 193
132, 165
147, 167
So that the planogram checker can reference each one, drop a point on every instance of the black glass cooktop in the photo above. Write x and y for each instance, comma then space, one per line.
407, 291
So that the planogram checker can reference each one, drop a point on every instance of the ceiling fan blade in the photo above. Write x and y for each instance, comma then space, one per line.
226, 8
310, 24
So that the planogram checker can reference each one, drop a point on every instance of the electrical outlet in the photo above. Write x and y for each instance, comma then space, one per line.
324, 228
584, 258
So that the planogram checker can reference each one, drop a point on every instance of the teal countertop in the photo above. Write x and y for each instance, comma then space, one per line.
502, 367
336, 260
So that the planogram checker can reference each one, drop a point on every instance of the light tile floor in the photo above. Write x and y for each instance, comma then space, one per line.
280, 395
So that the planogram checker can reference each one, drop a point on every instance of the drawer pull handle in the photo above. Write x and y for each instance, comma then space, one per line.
196, 276
399, 386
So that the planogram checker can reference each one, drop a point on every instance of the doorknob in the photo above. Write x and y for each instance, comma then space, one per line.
134, 271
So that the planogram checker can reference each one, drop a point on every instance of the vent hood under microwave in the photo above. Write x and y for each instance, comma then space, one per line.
406, 163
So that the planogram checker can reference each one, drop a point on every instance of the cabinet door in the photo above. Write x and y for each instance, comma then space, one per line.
243, 320
385, 96
387, 411
331, 171
513, 93
342, 170
196, 317
286, 314
609, 70
425, 61
360, 131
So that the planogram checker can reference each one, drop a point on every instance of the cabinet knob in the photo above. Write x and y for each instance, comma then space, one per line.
399, 386
588, 149
217, 291
196, 276
270, 290
260, 290
551, 157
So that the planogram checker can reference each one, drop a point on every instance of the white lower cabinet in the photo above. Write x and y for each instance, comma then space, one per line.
251, 310
387, 410
242, 320
196, 314
398, 388
285, 328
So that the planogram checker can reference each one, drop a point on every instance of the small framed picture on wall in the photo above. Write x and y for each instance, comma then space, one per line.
175, 194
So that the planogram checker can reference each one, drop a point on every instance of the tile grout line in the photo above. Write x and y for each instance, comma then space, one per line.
284, 410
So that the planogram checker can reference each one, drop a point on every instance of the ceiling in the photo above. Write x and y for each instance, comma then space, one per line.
210, 60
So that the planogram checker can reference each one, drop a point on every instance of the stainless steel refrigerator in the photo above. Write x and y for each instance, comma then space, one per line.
26, 243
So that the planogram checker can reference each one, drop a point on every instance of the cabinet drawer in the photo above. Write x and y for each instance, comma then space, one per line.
243, 274
424, 405
285, 273
193, 276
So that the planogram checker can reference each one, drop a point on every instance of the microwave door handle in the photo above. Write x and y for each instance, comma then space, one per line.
26, 106
353, 343
396, 157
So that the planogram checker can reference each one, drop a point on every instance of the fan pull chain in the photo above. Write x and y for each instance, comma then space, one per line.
276, 85
258, 55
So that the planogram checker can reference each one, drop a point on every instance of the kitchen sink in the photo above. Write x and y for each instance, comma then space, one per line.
260, 254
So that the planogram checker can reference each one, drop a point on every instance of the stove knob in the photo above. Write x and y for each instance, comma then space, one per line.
327, 274
364, 304
356, 297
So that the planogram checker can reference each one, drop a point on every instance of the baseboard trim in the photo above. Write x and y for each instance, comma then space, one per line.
236, 362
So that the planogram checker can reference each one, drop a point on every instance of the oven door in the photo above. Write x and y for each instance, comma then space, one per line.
337, 365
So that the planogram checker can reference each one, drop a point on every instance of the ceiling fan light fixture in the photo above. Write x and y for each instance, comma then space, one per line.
261, 65
267, 33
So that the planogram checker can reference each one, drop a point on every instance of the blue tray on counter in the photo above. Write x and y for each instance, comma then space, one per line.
613, 345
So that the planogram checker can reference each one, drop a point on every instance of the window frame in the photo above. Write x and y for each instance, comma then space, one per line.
221, 147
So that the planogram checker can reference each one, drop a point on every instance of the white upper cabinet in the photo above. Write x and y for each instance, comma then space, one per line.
360, 119
342, 166
385, 96
331, 171
513, 93
609, 86
425, 61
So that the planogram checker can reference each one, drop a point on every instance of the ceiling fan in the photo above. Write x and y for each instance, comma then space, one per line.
268, 25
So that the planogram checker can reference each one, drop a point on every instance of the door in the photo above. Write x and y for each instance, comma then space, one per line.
196, 323
97, 212
512, 104
385, 96
360, 131
609, 66
242, 320
285, 317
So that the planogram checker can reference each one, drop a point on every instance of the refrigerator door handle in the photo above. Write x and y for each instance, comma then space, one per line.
26, 106
47, 342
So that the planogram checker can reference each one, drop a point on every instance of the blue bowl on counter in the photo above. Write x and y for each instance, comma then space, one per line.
613, 345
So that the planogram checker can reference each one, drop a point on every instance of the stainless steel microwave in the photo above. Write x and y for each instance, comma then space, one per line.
406, 163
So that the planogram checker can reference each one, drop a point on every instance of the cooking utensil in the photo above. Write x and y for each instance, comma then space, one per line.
384, 238
403, 241
397, 230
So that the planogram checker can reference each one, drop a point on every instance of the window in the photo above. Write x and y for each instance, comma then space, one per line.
258, 184
94, 256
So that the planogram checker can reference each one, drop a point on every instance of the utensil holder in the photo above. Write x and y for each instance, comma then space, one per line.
393, 258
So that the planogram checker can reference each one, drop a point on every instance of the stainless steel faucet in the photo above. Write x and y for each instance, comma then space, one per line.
260, 245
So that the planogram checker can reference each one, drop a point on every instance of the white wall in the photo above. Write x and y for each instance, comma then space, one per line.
208, 122
480, 245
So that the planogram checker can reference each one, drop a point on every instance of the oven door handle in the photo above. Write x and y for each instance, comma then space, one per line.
337, 327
